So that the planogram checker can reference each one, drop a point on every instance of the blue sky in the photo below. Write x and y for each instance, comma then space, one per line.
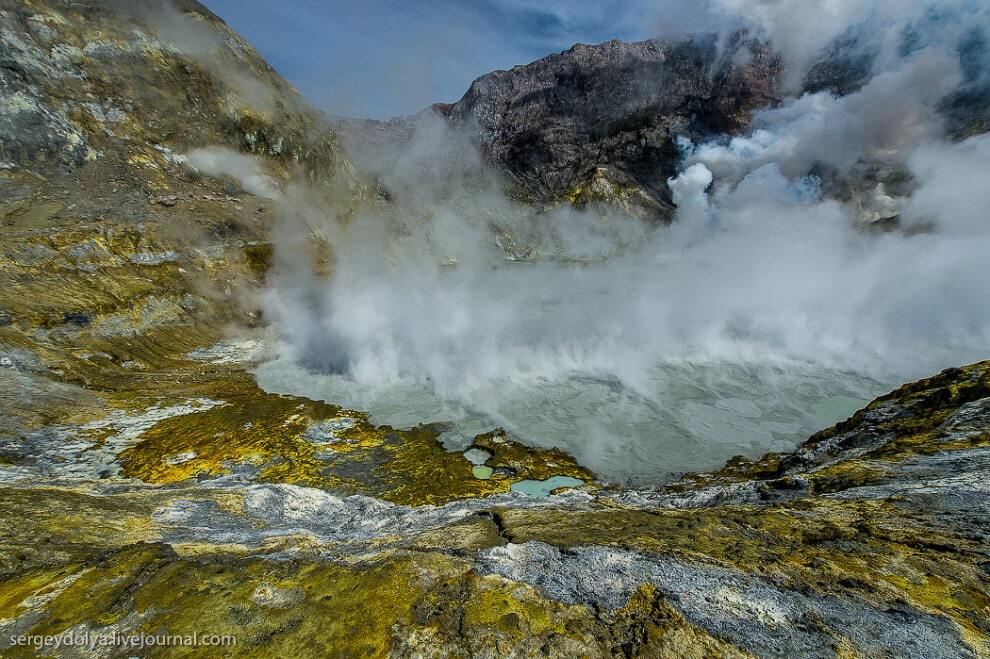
380, 58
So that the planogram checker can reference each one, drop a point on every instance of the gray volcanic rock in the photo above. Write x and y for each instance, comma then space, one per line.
615, 110
96, 79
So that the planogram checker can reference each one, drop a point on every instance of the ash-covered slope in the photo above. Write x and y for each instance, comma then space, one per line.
98, 79
615, 110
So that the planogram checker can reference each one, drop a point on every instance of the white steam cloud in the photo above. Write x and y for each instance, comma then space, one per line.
890, 116
775, 260
246, 170
801, 30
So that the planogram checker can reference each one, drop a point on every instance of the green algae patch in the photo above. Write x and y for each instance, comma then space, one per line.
250, 428
511, 608
341, 609
19, 595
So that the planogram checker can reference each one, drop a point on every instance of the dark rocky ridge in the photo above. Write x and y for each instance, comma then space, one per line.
553, 124
600, 123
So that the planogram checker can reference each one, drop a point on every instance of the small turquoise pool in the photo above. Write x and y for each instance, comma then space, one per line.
541, 489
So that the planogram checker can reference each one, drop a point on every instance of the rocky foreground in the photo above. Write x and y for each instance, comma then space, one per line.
148, 485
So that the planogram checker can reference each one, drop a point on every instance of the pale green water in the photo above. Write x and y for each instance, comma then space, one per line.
693, 417
836, 408
482, 472
542, 489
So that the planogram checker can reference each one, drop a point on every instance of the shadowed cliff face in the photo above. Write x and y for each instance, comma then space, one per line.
615, 110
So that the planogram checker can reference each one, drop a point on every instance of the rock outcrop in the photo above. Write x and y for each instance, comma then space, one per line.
81, 80
614, 111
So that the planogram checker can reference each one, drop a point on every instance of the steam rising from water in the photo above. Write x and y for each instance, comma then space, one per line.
769, 308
